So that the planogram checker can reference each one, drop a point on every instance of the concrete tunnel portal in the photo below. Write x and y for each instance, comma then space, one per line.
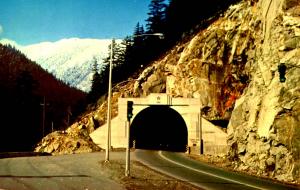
163, 122
159, 127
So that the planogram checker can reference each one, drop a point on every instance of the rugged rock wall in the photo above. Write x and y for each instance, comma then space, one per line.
237, 58
212, 66
264, 130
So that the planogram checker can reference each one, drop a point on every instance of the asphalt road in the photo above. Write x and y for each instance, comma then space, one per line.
81, 171
202, 175
77, 171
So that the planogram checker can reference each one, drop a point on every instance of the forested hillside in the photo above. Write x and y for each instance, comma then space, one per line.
175, 21
68, 59
23, 88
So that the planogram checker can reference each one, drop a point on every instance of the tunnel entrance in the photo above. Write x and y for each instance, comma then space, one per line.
159, 128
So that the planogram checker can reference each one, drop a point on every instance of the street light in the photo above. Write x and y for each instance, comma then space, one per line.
161, 36
109, 105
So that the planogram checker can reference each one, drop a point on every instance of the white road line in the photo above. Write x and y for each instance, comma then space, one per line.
221, 177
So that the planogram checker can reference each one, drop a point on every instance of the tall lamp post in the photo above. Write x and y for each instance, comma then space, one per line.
161, 36
109, 104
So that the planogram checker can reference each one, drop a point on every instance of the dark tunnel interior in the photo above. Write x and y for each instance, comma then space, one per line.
159, 128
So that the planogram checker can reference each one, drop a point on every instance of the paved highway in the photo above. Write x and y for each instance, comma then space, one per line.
77, 171
202, 175
81, 171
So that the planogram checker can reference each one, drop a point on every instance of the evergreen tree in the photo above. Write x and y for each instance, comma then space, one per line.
118, 59
172, 20
25, 86
117, 54
156, 19
136, 49
23, 83
28, 111
153, 45
188, 16
95, 91
138, 31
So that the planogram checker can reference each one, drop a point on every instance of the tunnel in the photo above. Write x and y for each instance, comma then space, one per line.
159, 128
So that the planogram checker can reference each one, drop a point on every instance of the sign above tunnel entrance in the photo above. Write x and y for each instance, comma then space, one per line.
160, 99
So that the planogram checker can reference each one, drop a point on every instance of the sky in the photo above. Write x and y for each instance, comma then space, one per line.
33, 21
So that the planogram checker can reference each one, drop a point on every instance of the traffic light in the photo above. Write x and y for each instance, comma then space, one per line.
129, 109
282, 70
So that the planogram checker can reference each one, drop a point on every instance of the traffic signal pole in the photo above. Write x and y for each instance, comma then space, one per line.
282, 70
129, 116
127, 168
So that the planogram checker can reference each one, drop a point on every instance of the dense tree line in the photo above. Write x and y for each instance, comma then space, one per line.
175, 19
24, 86
185, 17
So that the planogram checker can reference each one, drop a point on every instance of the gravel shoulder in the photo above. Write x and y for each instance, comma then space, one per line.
225, 164
141, 177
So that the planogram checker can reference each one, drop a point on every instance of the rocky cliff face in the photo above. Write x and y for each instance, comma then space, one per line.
211, 66
264, 130
232, 66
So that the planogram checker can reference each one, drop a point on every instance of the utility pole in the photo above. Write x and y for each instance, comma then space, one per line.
109, 105
69, 113
127, 168
44, 116
52, 126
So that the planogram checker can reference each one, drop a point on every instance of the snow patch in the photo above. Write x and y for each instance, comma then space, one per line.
70, 60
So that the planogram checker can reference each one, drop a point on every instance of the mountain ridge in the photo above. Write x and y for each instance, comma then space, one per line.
70, 60
31, 97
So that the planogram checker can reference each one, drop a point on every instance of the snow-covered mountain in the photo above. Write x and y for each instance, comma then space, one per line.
70, 60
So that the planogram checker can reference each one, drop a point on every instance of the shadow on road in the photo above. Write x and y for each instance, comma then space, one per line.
22, 154
50, 176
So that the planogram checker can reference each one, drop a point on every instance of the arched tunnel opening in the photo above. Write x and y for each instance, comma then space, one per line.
159, 128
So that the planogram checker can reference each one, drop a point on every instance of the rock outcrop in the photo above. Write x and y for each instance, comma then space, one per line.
212, 66
264, 130
232, 66
75, 139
